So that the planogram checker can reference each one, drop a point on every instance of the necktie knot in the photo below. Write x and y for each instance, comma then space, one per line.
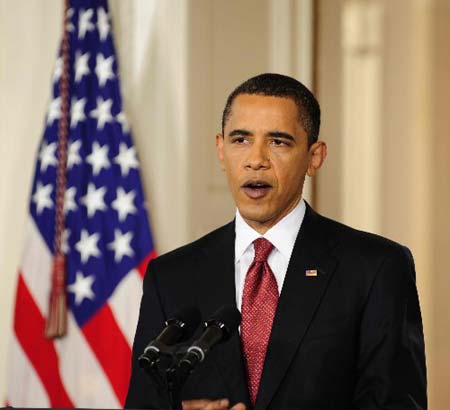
262, 249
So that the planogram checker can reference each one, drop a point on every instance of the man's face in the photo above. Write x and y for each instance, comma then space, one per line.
264, 152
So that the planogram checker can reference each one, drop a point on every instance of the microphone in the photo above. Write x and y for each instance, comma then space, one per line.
218, 328
179, 328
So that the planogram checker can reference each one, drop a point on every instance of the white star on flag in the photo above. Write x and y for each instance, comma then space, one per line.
126, 159
65, 241
42, 197
124, 203
54, 110
70, 26
103, 23
98, 158
94, 200
84, 22
77, 112
103, 112
69, 199
73, 156
82, 288
47, 156
87, 245
81, 65
121, 245
103, 69
122, 120
58, 69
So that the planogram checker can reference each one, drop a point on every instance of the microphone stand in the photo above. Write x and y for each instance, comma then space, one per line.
167, 375
174, 388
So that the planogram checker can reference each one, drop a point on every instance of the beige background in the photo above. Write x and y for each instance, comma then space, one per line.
381, 74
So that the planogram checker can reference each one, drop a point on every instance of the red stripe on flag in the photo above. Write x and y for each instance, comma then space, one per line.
111, 348
29, 326
143, 265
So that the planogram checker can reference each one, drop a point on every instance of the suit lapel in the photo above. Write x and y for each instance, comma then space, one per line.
217, 277
216, 271
299, 300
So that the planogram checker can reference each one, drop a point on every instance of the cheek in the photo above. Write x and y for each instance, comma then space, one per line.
231, 161
290, 178
232, 176
288, 172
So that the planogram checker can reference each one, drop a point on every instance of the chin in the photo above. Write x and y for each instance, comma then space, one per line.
255, 216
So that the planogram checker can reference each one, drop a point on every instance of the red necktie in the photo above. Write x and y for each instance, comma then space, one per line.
259, 302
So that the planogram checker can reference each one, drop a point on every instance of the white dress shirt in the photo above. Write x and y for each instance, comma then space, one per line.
282, 236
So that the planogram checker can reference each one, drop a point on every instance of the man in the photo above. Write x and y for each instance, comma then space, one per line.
330, 315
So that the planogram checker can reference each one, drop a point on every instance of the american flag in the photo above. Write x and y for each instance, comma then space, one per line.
106, 240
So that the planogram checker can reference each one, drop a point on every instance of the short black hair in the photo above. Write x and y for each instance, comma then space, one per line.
278, 85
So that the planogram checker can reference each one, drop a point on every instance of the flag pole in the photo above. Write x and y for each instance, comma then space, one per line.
56, 323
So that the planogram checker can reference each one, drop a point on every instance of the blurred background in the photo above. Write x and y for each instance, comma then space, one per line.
380, 69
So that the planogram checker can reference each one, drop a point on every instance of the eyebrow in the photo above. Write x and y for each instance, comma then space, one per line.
273, 134
280, 134
239, 132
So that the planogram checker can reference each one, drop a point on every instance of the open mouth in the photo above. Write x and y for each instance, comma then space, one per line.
256, 189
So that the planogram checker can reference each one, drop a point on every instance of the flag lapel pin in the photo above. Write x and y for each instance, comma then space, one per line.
311, 272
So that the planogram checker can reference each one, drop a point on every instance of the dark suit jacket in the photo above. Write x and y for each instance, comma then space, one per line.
350, 338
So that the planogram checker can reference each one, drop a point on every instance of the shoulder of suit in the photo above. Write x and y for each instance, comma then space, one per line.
186, 252
360, 241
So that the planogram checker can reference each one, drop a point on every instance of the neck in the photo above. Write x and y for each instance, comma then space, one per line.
263, 226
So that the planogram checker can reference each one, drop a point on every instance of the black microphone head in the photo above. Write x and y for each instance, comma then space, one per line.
187, 319
227, 318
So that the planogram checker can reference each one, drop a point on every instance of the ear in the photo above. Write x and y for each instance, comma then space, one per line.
219, 147
317, 154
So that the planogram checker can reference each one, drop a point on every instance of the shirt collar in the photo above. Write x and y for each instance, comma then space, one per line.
282, 235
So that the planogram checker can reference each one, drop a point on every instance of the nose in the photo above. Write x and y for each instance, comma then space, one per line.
258, 156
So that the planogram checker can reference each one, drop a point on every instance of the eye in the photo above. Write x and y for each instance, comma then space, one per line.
238, 140
279, 142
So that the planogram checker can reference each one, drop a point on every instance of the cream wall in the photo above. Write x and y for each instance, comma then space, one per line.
29, 32
439, 152
397, 182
